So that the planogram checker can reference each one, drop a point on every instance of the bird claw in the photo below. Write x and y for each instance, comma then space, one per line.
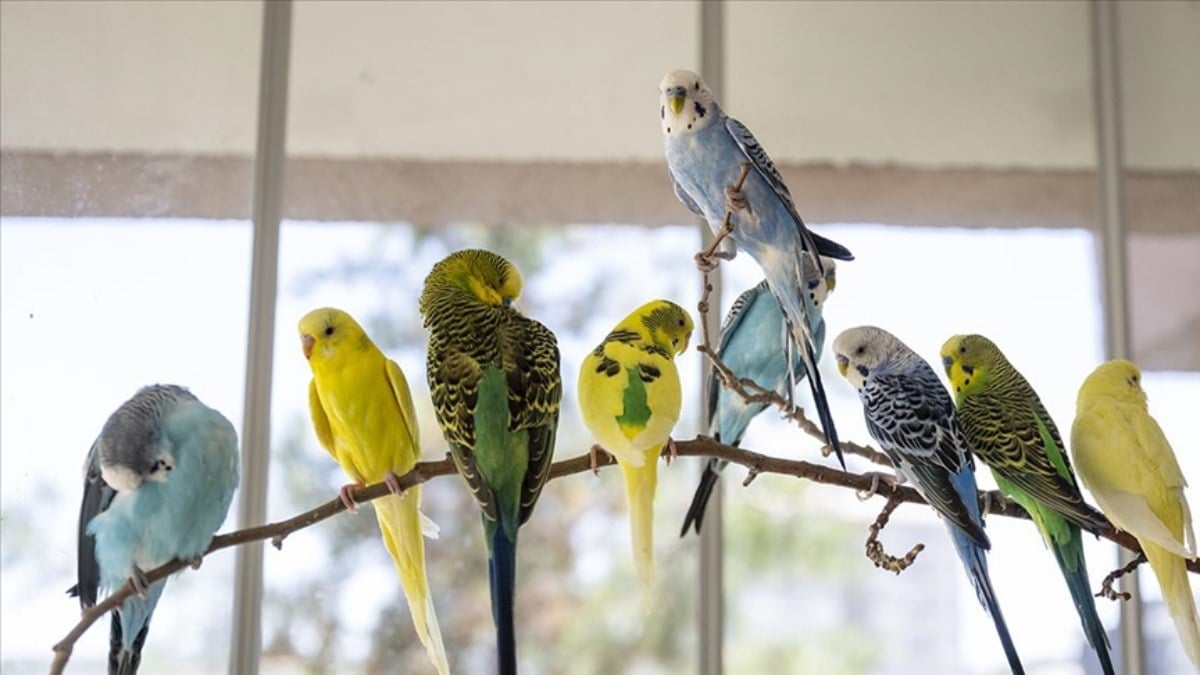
735, 200
877, 478
139, 581
195, 563
393, 482
346, 494
994, 497
594, 455
672, 451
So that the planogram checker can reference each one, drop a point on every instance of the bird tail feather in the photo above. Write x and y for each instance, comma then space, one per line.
402, 525
1069, 556
1172, 574
973, 560
640, 483
123, 659
708, 480
502, 572
818, 394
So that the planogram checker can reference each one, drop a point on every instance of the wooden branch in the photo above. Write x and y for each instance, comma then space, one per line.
875, 550
701, 446
1106, 586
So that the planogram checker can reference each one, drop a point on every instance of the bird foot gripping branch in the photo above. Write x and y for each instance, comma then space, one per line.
708, 259
1106, 586
874, 547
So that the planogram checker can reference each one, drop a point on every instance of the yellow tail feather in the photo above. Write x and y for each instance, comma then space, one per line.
640, 483
1172, 574
402, 525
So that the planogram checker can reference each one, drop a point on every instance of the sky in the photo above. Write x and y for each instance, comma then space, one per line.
89, 312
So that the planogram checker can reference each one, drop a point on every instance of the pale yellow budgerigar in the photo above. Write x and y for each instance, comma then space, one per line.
363, 415
630, 398
1123, 457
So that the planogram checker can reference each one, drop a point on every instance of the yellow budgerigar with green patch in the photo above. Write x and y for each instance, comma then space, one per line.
630, 398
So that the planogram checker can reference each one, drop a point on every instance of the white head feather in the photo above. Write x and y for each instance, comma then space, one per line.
861, 350
686, 103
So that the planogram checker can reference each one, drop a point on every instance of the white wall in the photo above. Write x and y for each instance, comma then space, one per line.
996, 84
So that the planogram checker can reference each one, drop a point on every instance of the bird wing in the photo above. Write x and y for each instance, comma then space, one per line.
1030, 456
683, 196
733, 320
757, 155
534, 393
454, 379
408, 415
913, 418
319, 419
97, 495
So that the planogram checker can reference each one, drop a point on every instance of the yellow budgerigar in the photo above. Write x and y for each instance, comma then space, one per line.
1123, 457
363, 414
630, 398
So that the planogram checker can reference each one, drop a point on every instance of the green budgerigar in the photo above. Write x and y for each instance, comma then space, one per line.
1010, 430
494, 377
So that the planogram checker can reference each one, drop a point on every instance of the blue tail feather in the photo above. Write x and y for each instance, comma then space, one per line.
708, 480
826, 416
502, 573
975, 562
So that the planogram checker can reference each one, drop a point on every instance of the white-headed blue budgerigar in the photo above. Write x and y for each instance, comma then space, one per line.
910, 414
705, 152
159, 480
752, 347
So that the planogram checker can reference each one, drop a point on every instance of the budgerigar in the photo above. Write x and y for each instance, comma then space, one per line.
159, 480
705, 152
1124, 459
910, 414
630, 397
494, 376
1010, 430
749, 348
363, 415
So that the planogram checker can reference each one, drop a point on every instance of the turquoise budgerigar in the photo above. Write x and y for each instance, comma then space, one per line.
495, 380
910, 414
159, 480
1124, 458
1012, 432
752, 347
705, 152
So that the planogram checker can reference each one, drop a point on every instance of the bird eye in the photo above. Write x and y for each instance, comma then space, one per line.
860, 351
962, 350
697, 86
681, 322
329, 330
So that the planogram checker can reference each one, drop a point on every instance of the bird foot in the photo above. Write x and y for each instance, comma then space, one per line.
877, 477
994, 500
672, 451
594, 454
195, 563
707, 262
393, 482
346, 494
735, 200
140, 583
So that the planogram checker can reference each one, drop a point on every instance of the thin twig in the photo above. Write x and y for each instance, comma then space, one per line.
875, 550
425, 471
1106, 586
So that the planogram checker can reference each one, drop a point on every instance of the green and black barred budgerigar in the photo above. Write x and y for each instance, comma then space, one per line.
494, 377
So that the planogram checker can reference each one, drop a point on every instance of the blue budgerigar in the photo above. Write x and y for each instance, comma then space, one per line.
159, 480
705, 152
752, 347
910, 414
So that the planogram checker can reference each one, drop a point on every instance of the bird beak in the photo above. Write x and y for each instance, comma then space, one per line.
306, 343
675, 98
843, 363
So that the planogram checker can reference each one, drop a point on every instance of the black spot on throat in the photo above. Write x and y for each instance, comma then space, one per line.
700, 110
862, 370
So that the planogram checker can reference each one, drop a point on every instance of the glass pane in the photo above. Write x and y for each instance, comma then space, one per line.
126, 131
333, 602
91, 310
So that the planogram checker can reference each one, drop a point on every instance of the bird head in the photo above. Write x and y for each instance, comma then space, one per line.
685, 103
327, 332
486, 276
1119, 379
970, 362
864, 351
818, 281
664, 323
